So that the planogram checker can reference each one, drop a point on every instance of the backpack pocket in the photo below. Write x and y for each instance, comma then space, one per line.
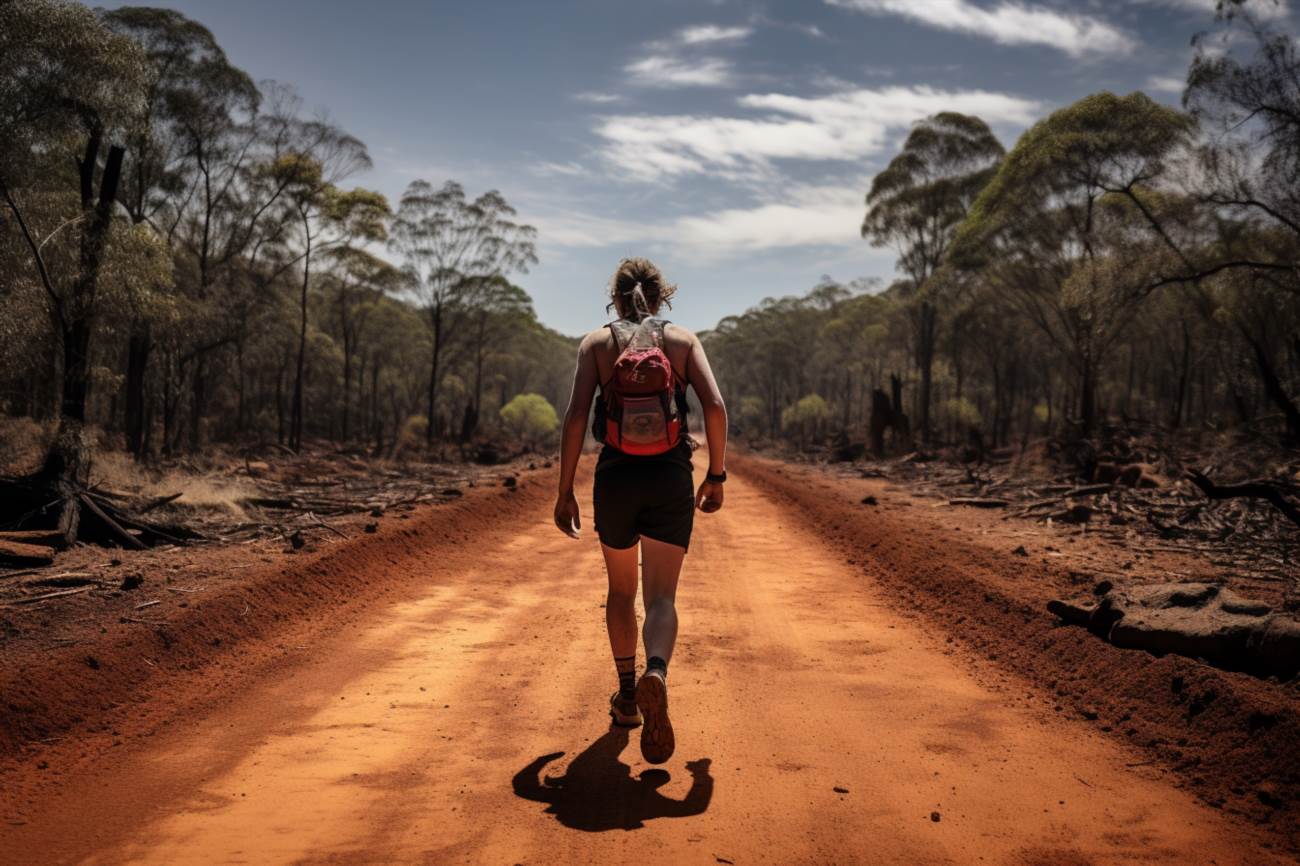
645, 427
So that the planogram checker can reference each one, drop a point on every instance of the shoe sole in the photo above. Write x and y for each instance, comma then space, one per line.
657, 741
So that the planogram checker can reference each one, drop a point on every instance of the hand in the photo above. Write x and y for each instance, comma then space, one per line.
709, 497
566, 514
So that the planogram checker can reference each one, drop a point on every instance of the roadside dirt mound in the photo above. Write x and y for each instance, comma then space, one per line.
1231, 737
78, 697
1196, 620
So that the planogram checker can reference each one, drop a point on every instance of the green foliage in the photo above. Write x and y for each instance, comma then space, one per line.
810, 411
531, 417
963, 412
62, 73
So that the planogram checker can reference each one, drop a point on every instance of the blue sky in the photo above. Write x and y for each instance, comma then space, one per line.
731, 141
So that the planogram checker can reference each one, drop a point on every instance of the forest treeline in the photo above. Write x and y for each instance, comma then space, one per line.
184, 260
1124, 262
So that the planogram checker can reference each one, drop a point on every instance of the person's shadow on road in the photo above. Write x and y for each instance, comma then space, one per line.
599, 793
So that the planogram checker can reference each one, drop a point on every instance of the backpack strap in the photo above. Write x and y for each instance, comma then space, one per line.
621, 340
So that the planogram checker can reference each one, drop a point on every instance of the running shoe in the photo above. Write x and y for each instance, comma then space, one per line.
657, 742
624, 711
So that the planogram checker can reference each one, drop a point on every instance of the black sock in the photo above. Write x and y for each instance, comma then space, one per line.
626, 677
655, 663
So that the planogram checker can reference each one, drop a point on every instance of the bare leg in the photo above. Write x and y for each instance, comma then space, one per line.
620, 603
661, 566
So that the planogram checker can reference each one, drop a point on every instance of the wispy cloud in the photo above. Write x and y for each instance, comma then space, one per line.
793, 216
677, 62
666, 70
1008, 23
708, 33
597, 97
849, 125
1166, 83
558, 169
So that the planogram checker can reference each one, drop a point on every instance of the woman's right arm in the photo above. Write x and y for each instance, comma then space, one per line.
572, 434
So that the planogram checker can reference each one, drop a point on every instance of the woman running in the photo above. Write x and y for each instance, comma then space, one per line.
644, 493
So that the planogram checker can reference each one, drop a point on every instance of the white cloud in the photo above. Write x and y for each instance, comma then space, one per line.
1007, 22
597, 97
707, 33
664, 70
849, 125
798, 216
1261, 9
553, 169
736, 231
1166, 83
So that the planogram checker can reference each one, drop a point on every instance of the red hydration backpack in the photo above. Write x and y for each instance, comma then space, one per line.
642, 402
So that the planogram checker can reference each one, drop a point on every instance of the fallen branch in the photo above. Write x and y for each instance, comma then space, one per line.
31, 599
159, 502
16, 553
1265, 490
979, 502
114, 527
337, 532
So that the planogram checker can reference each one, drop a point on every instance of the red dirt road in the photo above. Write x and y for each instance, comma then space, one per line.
814, 724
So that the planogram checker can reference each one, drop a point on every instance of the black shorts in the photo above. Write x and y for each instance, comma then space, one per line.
654, 498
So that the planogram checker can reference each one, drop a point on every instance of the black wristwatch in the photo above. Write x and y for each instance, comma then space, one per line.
716, 479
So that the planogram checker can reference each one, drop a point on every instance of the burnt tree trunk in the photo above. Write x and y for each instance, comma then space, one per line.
139, 348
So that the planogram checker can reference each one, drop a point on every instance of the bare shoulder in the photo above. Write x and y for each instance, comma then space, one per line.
677, 335
592, 339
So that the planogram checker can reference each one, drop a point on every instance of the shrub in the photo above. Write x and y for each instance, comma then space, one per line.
530, 417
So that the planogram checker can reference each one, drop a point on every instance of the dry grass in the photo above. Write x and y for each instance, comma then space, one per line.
23, 443
201, 491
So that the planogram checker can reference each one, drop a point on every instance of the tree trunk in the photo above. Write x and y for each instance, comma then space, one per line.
925, 362
1184, 371
1088, 398
198, 401
433, 374
1275, 391
295, 418
139, 348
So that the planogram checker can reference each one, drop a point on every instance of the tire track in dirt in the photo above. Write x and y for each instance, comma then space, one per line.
429, 733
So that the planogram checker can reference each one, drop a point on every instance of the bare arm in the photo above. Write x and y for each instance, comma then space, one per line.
715, 411
572, 434
709, 497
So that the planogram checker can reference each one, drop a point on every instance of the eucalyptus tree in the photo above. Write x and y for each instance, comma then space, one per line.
192, 96
449, 243
324, 217
497, 312
1062, 229
358, 279
1246, 97
916, 204
69, 88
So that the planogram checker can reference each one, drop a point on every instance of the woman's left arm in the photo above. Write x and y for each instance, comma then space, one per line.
572, 434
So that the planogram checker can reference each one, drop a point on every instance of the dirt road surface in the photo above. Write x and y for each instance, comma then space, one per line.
466, 724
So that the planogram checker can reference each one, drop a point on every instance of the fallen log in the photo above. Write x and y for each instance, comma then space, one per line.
17, 553
114, 528
979, 502
43, 537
